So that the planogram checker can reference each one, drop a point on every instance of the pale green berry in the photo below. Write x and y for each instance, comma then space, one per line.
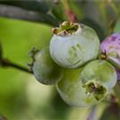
45, 69
98, 77
72, 91
73, 44
87, 86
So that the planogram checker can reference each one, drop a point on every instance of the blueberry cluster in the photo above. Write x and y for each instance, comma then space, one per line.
81, 68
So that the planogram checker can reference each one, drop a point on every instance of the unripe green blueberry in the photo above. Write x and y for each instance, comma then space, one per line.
72, 91
45, 69
73, 44
98, 77
87, 86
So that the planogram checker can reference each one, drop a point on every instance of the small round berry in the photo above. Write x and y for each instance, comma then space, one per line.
87, 86
98, 77
73, 44
72, 91
45, 69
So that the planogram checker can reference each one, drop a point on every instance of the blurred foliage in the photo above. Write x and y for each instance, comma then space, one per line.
18, 38
31, 5
111, 113
117, 26
21, 96
0, 52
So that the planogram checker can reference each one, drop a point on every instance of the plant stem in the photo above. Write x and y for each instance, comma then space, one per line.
7, 63
117, 92
22, 14
113, 63
68, 11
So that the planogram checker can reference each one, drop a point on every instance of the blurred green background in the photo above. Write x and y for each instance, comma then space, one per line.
21, 96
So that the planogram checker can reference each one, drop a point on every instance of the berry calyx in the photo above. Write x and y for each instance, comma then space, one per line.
66, 28
97, 90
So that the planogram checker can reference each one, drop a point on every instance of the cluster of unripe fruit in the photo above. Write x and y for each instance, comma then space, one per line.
78, 65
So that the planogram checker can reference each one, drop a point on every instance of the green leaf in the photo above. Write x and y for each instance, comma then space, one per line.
58, 13
17, 38
117, 26
0, 51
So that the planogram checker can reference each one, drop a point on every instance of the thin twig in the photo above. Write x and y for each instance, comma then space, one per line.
8, 63
22, 14
68, 11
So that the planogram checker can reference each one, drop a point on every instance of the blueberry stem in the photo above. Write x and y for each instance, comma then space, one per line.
7, 63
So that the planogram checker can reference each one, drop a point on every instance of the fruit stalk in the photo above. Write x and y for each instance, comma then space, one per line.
7, 63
